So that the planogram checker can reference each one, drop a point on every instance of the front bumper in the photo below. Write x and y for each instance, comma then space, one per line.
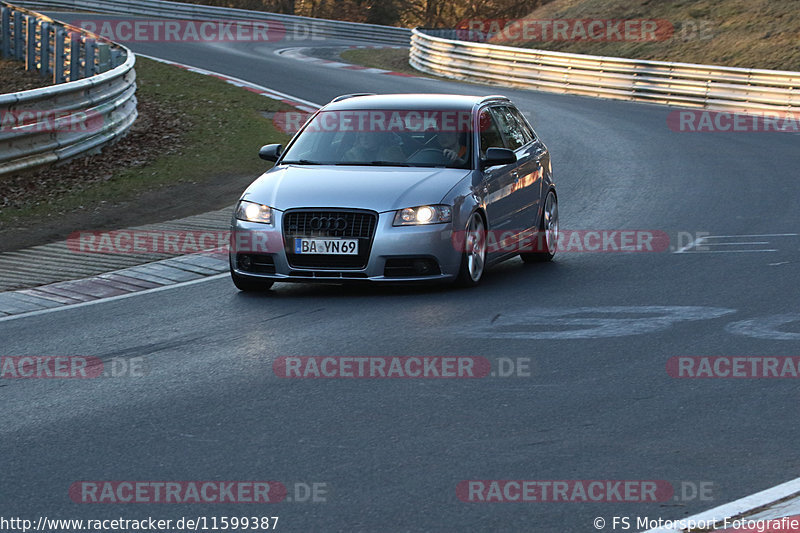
430, 245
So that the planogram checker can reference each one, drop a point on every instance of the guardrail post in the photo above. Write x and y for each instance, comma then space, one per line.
45, 51
89, 47
5, 31
117, 58
18, 36
74, 56
59, 57
103, 57
30, 38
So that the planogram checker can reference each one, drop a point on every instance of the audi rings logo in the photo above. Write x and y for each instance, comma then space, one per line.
327, 223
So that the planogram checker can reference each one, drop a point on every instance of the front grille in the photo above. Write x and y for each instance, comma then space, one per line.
329, 223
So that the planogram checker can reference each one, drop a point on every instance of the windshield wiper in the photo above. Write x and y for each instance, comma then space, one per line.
374, 164
389, 164
302, 162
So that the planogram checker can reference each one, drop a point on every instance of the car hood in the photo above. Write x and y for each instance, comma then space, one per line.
376, 188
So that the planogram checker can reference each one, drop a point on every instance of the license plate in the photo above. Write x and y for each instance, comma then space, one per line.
326, 246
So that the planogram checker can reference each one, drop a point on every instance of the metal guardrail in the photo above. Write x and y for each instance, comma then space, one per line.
295, 26
57, 51
683, 84
69, 119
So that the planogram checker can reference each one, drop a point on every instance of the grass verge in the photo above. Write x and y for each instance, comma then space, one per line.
193, 149
394, 59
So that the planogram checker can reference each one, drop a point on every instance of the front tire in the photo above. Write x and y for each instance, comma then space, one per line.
473, 260
548, 228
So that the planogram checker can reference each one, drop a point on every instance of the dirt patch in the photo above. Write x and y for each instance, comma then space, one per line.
14, 77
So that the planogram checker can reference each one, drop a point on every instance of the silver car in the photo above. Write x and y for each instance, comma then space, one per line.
398, 188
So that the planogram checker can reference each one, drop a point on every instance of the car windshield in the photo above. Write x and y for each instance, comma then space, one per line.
416, 138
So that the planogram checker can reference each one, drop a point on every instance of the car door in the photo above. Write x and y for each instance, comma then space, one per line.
498, 182
527, 176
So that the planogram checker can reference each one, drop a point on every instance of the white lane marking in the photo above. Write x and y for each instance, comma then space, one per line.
706, 242
766, 327
682, 249
601, 322
729, 251
115, 298
738, 508
734, 243
748, 235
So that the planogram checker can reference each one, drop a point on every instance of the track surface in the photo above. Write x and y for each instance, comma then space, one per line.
391, 452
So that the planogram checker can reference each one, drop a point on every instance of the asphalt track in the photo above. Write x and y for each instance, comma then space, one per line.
598, 329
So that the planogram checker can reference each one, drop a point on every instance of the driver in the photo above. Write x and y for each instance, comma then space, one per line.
370, 146
452, 146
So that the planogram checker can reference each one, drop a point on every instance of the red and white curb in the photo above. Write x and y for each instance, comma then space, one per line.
113, 285
299, 54
775, 510
299, 103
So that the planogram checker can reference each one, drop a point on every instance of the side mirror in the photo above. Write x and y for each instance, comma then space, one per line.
270, 152
498, 156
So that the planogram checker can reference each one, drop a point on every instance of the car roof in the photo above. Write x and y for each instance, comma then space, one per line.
410, 101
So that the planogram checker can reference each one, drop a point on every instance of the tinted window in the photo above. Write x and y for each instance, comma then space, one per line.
403, 137
510, 128
490, 133
523, 124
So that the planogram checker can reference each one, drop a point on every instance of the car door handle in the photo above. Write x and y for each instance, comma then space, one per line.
515, 175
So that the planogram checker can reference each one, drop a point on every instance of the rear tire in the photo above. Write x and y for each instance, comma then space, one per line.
546, 233
246, 284
473, 260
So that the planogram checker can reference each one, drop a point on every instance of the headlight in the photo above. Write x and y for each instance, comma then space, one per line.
424, 214
253, 212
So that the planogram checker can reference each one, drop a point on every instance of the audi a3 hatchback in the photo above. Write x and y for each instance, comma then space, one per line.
398, 188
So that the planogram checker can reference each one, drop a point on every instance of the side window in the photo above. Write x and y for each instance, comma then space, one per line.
510, 127
489, 132
529, 134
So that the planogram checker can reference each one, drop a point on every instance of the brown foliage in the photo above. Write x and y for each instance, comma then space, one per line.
408, 13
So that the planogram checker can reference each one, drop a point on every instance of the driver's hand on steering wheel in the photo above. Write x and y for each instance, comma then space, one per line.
452, 155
